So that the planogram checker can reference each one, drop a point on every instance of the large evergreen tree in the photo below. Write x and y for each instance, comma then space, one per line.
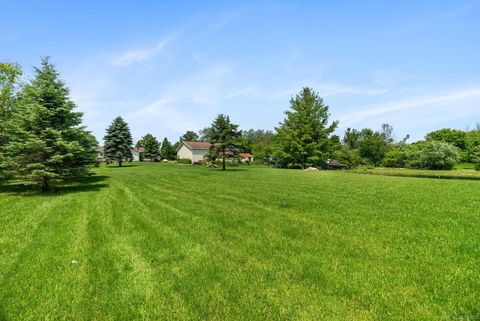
167, 151
118, 142
224, 135
46, 139
304, 136
151, 146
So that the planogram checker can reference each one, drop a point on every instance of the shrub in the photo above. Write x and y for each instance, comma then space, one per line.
432, 155
350, 157
475, 157
397, 157
184, 161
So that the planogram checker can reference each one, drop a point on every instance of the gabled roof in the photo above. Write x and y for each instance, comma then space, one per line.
197, 145
246, 155
139, 149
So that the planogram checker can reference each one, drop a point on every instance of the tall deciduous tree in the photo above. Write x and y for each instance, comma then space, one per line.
118, 142
372, 146
387, 133
351, 138
9, 74
151, 146
303, 137
224, 135
167, 151
46, 139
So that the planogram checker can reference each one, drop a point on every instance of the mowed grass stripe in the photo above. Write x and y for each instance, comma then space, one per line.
156, 241
194, 200
42, 271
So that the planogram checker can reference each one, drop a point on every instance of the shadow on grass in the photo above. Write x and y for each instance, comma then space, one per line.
235, 169
85, 184
123, 165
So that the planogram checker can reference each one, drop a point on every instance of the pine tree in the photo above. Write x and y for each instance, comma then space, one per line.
118, 142
303, 137
167, 151
224, 135
151, 146
46, 138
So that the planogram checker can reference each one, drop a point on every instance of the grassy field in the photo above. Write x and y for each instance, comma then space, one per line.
156, 241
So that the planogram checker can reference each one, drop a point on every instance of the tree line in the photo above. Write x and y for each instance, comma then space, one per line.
42, 139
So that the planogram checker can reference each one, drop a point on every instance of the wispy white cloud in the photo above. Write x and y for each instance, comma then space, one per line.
448, 103
241, 92
329, 89
142, 55
162, 111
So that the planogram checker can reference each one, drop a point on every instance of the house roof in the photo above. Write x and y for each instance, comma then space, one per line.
246, 155
197, 145
100, 149
139, 149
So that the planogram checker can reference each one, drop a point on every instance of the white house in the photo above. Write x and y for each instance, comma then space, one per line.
137, 153
194, 151
246, 157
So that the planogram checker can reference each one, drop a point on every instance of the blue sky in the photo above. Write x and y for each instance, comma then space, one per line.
168, 67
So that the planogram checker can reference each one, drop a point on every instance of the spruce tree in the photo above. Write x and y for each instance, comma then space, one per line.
151, 146
167, 151
46, 139
303, 137
118, 142
224, 135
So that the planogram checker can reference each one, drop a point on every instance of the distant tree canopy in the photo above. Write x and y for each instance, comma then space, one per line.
372, 146
303, 138
468, 142
386, 133
118, 142
189, 136
203, 134
223, 135
45, 138
351, 138
9, 75
447, 135
259, 142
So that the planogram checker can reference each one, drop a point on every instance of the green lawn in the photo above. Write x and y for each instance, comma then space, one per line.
164, 242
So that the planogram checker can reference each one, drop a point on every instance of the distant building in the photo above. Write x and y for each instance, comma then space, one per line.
246, 157
194, 151
137, 153
100, 154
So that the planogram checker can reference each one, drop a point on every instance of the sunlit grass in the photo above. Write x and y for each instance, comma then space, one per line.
163, 242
